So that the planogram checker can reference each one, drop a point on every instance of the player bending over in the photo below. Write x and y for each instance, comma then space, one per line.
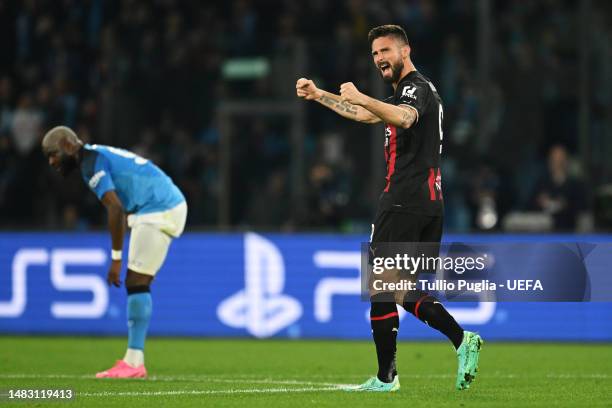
411, 207
156, 212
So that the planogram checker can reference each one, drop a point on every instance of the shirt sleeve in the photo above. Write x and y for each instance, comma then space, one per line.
99, 179
414, 95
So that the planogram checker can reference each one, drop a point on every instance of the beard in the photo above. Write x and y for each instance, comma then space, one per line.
396, 71
67, 164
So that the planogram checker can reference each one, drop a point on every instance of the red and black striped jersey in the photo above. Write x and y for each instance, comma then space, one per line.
413, 182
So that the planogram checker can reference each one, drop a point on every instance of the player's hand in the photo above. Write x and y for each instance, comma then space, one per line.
114, 274
349, 93
307, 89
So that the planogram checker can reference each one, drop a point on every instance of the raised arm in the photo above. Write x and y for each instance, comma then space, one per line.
307, 89
401, 115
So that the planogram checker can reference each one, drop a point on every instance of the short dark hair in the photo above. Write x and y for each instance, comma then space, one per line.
388, 30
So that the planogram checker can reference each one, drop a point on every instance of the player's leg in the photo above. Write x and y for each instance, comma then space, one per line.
467, 344
384, 318
139, 310
148, 248
431, 312
384, 321
425, 307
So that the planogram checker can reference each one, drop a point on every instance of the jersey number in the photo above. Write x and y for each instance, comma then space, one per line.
440, 116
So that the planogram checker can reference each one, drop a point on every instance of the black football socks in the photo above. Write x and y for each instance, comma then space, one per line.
385, 324
431, 312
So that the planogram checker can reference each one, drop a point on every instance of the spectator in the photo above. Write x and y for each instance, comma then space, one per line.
27, 125
559, 193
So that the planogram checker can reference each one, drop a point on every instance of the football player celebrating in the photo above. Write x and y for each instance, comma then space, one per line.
410, 208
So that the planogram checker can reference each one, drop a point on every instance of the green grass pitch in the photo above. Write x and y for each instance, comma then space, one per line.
272, 373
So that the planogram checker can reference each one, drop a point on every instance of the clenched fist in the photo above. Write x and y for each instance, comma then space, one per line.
307, 89
350, 94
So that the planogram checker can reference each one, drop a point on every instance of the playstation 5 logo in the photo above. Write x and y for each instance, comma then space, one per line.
261, 307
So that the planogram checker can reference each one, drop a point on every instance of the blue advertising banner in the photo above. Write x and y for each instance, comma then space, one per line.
231, 285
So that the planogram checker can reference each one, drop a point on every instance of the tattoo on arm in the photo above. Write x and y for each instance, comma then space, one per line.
408, 117
339, 106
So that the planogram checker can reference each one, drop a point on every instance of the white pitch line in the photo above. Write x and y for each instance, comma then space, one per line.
574, 376
272, 381
203, 392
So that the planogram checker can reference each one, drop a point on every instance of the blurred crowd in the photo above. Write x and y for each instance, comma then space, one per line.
147, 75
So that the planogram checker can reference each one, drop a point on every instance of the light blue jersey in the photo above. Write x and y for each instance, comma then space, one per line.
141, 186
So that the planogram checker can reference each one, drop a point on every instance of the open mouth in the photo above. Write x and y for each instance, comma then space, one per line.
384, 67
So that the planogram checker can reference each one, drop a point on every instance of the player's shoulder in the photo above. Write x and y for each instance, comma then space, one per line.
100, 149
111, 154
94, 151
414, 81
94, 158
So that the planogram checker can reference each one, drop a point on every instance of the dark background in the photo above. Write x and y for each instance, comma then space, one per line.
526, 87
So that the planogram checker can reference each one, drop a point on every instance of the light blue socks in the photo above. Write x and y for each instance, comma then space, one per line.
139, 308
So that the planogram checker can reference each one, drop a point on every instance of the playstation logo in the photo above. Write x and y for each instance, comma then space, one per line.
261, 307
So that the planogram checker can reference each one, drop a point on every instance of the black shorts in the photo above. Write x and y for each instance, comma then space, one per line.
416, 235
391, 226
